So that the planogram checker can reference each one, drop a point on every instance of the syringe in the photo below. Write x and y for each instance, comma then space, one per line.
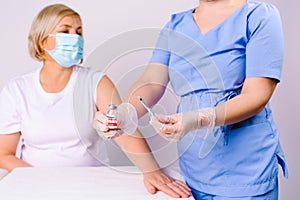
146, 107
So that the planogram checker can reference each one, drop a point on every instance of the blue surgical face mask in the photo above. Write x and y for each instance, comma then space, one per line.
68, 49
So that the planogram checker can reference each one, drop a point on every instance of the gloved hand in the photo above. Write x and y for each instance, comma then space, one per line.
174, 127
127, 122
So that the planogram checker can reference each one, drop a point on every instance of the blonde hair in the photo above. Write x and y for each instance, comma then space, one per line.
42, 26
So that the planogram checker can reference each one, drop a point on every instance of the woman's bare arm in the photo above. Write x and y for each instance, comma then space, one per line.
8, 147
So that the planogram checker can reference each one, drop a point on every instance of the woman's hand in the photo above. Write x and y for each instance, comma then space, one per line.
158, 181
100, 125
174, 127
127, 122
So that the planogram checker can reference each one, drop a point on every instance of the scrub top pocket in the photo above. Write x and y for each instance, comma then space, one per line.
252, 150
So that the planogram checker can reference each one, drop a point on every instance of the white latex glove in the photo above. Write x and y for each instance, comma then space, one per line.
174, 127
127, 122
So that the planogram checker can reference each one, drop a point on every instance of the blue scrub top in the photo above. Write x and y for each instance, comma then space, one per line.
208, 69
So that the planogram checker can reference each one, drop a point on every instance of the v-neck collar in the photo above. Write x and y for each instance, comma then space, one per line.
216, 26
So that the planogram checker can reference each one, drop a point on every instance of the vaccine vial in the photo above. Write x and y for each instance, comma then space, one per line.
112, 117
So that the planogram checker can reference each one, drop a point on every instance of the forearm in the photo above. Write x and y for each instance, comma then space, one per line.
10, 162
254, 96
151, 87
236, 110
8, 147
150, 92
138, 151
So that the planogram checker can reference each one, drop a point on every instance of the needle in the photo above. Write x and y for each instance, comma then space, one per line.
145, 106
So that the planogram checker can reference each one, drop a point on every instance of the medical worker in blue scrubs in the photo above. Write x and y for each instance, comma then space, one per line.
223, 59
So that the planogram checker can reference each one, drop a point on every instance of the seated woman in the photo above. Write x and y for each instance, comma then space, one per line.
42, 107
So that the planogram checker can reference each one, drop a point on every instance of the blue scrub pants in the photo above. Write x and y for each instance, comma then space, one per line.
271, 195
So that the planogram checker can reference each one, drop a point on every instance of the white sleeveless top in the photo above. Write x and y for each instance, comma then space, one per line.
50, 136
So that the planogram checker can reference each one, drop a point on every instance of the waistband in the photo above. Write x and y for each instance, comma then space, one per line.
204, 99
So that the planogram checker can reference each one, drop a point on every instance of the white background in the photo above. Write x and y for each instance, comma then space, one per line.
103, 20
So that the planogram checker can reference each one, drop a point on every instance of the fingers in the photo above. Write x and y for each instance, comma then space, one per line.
99, 116
168, 119
100, 125
166, 184
175, 189
170, 133
111, 134
183, 186
100, 122
169, 191
150, 188
162, 128
168, 130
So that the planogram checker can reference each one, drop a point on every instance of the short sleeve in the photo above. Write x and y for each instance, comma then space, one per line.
265, 48
161, 53
97, 77
10, 116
